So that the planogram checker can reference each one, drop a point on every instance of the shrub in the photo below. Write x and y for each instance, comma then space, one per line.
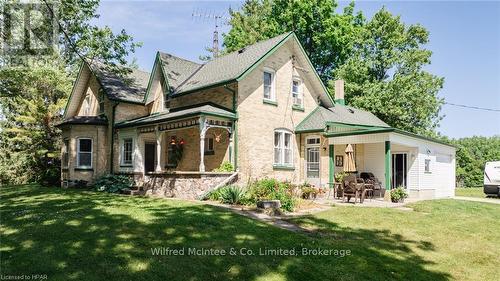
113, 183
225, 166
228, 194
398, 194
309, 192
272, 189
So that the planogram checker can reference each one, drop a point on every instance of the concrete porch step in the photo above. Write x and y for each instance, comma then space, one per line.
136, 191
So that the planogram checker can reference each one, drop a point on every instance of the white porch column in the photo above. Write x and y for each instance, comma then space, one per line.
158, 150
203, 130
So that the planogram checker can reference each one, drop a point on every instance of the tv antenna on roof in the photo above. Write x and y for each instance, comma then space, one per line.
218, 18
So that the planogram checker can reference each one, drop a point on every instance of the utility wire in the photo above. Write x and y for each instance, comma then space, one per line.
473, 107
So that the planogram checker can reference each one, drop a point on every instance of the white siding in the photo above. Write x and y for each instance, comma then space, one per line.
375, 160
441, 178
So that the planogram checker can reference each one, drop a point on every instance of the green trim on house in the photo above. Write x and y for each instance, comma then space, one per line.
270, 102
265, 56
314, 70
148, 89
304, 120
283, 167
388, 166
331, 164
340, 101
298, 108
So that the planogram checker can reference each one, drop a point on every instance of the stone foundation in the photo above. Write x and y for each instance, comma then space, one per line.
185, 185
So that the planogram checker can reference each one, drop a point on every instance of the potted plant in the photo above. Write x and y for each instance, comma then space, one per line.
398, 194
339, 177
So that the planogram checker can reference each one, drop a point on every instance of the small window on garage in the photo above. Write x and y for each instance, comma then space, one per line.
427, 168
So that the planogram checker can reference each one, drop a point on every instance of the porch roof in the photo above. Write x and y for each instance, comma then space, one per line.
320, 117
179, 113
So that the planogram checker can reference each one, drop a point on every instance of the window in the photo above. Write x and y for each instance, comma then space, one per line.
313, 141
172, 152
84, 155
283, 154
209, 146
86, 106
427, 165
101, 102
297, 92
166, 99
65, 154
269, 85
127, 151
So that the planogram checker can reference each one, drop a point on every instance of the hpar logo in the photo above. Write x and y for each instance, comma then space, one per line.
27, 29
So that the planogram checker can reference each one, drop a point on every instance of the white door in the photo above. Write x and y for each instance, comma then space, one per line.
313, 161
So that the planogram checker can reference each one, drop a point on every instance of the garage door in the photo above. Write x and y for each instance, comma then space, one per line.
443, 175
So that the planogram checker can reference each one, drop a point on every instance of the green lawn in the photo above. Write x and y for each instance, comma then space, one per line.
75, 235
470, 192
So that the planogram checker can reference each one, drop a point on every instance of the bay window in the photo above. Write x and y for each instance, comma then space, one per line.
84, 153
127, 151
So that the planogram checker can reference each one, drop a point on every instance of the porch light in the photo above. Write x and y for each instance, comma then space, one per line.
172, 141
181, 142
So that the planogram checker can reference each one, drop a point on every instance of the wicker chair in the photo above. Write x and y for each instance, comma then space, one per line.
353, 187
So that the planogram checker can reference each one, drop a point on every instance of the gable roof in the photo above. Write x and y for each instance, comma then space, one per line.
184, 76
130, 88
318, 118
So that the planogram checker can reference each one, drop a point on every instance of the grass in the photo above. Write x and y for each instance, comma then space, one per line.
74, 235
471, 192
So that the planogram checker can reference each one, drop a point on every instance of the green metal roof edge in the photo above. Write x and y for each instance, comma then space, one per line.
127, 124
73, 88
375, 130
263, 57
349, 125
423, 137
148, 89
314, 69
306, 118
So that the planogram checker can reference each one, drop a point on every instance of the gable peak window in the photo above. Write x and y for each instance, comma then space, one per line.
297, 95
283, 152
268, 82
84, 153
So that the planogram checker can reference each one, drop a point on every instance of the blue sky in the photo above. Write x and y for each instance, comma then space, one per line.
464, 38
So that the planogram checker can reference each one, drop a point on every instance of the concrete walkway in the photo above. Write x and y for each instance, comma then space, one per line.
477, 199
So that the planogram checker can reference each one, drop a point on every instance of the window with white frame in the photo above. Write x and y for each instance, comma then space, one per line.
209, 146
86, 106
84, 153
269, 84
297, 95
427, 167
283, 153
127, 151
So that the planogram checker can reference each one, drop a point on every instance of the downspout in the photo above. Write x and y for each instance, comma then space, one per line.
113, 138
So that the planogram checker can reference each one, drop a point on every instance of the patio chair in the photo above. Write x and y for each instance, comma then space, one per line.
353, 187
371, 179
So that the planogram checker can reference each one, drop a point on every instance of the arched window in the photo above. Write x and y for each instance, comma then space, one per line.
283, 147
86, 106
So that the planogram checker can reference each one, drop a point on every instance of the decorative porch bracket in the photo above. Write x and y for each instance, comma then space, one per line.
206, 124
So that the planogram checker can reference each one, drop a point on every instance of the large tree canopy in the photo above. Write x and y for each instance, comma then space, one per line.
32, 96
381, 59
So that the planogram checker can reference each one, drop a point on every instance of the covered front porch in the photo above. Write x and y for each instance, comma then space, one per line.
174, 154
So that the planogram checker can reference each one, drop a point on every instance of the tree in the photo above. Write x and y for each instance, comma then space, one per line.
381, 60
327, 36
385, 74
33, 96
472, 154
